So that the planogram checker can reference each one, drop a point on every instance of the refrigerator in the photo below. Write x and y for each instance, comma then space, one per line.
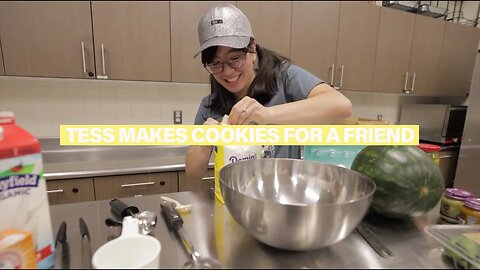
468, 167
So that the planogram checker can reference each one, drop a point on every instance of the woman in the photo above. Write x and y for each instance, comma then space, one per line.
255, 85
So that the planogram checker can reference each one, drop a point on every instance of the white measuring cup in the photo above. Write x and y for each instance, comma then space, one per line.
130, 250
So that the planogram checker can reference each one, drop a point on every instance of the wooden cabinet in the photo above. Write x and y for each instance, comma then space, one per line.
184, 184
394, 44
357, 39
109, 187
314, 37
132, 40
354, 46
70, 190
47, 39
271, 23
185, 16
55, 39
425, 55
460, 46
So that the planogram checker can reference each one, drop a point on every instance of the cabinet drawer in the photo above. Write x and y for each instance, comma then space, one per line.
184, 184
70, 190
109, 187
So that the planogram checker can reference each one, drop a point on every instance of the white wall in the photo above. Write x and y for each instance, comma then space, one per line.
42, 104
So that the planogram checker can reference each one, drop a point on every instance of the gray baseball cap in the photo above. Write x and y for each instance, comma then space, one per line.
224, 25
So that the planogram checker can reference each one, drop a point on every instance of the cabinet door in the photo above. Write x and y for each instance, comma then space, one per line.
109, 187
208, 182
425, 55
357, 39
70, 190
314, 37
45, 39
185, 16
132, 40
271, 23
460, 47
394, 44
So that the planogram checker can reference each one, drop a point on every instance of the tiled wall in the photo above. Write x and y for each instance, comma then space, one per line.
42, 104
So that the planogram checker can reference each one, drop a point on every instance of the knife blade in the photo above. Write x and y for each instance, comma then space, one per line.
86, 248
368, 235
62, 251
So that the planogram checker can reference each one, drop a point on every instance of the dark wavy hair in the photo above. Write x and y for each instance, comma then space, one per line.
263, 87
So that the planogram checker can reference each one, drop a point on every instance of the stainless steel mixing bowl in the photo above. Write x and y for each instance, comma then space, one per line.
295, 204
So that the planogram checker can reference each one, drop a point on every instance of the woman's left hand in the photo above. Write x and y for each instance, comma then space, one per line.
247, 111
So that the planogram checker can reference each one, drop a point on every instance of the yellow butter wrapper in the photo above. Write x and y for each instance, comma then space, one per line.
226, 154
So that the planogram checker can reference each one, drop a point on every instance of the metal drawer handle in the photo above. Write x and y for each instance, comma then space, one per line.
104, 72
208, 178
445, 157
103, 60
83, 58
332, 75
405, 84
341, 76
138, 184
413, 82
55, 191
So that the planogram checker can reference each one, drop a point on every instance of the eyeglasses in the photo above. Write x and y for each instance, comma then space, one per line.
236, 62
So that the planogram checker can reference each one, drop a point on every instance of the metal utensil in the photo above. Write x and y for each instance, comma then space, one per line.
368, 235
110, 222
122, 209
147, 221
86, 249
62, 250
175, 223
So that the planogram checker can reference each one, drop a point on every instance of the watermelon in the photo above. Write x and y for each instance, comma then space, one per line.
409, 183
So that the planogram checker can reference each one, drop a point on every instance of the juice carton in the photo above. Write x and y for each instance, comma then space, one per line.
23, 196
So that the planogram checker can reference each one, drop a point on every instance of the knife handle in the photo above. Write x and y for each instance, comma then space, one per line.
368, 235
171, 216
61, 233
122, 209
83, 228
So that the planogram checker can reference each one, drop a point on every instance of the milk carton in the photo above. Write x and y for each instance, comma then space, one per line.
23, 197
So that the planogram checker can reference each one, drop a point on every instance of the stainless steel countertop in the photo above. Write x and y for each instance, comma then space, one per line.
214, 233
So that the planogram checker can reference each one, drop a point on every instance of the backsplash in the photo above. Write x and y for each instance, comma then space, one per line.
42, 104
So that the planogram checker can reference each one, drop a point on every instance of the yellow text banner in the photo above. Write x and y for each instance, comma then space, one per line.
239, 135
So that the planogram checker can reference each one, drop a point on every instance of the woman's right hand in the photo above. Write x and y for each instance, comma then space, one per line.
211, 121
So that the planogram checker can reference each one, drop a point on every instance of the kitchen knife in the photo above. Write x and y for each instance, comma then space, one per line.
172, 217
368, 235
62, 251
86, 249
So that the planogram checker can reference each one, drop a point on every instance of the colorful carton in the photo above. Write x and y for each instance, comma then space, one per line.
23, 196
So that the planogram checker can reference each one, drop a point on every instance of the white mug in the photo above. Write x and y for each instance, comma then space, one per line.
130, 250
